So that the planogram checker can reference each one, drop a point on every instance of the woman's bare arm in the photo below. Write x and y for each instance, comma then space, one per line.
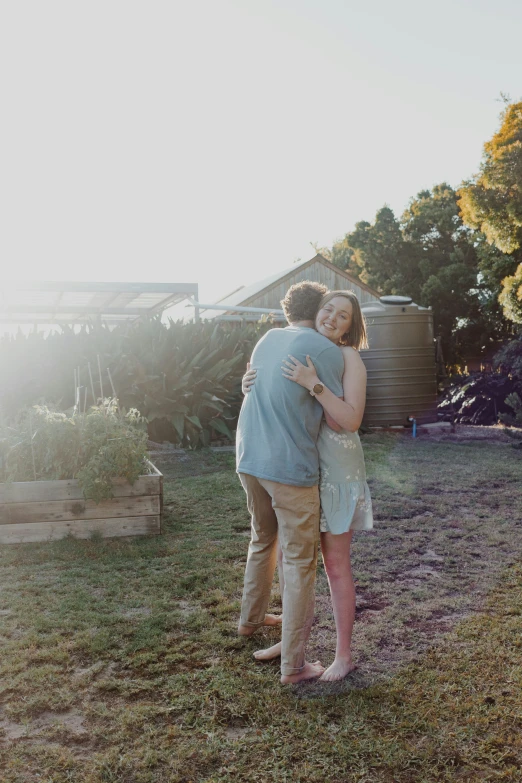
332, 423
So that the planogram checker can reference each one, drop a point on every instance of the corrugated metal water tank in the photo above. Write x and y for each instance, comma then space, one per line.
402, 375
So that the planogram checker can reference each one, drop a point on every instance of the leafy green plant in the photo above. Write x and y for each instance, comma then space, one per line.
488, 397
97, 447
185, 379
515, 403
113, 445
478, 398
509, 359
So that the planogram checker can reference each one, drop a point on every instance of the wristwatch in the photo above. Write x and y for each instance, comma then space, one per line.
318, 388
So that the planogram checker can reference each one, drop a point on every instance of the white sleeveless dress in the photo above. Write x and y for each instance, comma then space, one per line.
346, 503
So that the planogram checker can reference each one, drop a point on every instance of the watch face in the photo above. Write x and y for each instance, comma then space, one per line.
318, 388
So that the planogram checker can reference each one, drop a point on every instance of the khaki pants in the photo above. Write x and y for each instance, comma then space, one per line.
293, 513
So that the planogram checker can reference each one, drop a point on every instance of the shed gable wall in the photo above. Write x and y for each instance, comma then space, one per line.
317, 272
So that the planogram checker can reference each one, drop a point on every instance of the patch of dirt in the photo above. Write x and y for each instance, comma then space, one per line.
71, 720
370, 606
495, 433
176, 463
99, 667
438, 623
139, 611
166, 446
431, 556
186, 607
422, 570
236, 732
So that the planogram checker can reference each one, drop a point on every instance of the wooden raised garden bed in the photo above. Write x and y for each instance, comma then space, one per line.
47, 510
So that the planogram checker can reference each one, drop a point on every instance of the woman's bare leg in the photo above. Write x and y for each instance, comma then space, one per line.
336, 557
275, 650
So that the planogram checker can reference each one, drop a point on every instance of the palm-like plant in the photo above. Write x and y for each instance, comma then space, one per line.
185, 379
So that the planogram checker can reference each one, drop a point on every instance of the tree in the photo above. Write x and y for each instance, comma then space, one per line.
511, 296
429, 255
491, 202
377, 253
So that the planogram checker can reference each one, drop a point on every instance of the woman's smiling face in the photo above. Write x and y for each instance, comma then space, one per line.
335, 318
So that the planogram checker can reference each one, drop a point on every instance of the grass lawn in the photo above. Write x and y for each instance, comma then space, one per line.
120, 661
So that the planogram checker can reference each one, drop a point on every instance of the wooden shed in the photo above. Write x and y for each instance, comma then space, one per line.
267, 293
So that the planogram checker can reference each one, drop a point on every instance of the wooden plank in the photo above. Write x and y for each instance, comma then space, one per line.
107, 528
144, 485
153, 469
36, 491
63, 510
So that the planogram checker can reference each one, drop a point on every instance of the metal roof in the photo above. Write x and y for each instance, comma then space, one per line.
35, 302
244, 294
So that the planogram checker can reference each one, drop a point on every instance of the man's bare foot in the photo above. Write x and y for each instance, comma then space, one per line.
269, 654
309, 672
270, 620
339, 669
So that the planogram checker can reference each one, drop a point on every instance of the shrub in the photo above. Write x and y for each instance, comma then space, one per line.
102, 445
513, 419
509, 359
479, 398
488, 397
185, 379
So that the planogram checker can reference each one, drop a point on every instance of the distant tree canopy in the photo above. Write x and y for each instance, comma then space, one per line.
459, 252
511, 296
491, 203
492, 200
429, 255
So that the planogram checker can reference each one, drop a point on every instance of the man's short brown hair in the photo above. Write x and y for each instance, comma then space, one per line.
302, 300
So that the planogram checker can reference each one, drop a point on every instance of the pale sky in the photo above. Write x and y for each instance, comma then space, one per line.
211, 141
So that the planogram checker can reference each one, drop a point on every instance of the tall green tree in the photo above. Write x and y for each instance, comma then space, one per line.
377, 253
492, 200
429, 255
511, 296
492, 203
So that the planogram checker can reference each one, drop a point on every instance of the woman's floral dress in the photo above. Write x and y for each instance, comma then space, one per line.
345, 496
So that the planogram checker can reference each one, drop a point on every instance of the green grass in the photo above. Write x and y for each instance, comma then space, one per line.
120, 662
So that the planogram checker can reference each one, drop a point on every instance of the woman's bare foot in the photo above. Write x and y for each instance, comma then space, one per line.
339, 669
309, 672
270, 620
269, 654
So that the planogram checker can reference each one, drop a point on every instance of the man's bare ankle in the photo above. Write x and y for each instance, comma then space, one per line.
246, 630
310, 671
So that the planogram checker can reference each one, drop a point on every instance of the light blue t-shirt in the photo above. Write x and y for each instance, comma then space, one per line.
279, 422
